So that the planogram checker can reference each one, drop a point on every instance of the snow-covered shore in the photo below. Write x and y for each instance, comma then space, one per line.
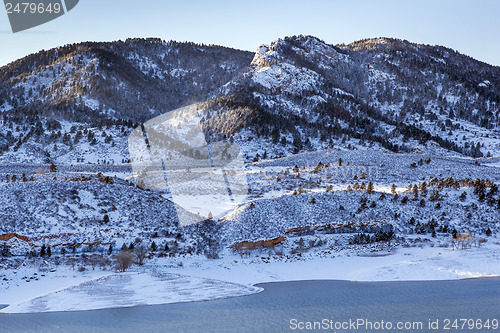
411, 264
131, 289
164, 281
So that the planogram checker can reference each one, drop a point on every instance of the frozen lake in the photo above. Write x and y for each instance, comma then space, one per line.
273, 309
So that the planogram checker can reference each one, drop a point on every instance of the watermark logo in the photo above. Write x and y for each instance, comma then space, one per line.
203, 179
26, 14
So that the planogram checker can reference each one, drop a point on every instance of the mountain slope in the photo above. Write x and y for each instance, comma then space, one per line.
131, 80
296, 94
52, 99
297, 108
385, 92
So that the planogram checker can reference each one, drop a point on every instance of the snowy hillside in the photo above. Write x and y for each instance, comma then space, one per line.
383, 94
376, 141
296, 94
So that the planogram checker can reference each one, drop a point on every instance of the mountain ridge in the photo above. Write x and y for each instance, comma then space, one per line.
294, 94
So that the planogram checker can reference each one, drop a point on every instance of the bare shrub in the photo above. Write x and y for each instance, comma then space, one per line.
124, 260
95, 259
140, 254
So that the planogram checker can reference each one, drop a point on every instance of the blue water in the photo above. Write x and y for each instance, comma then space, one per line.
272, 309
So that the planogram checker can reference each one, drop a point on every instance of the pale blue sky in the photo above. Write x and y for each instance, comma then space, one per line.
471, 27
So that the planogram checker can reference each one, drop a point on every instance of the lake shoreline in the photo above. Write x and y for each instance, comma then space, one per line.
283, 303
262, 288
164, 281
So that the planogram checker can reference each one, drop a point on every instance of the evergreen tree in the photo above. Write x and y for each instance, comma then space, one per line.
415, 191
5, 250
434, 195
369, 188
318, 167
154, 247
423, 187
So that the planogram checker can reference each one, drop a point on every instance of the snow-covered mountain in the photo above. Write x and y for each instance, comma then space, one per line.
296, 94
52, 99
131, 80
388, 94
298, 107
